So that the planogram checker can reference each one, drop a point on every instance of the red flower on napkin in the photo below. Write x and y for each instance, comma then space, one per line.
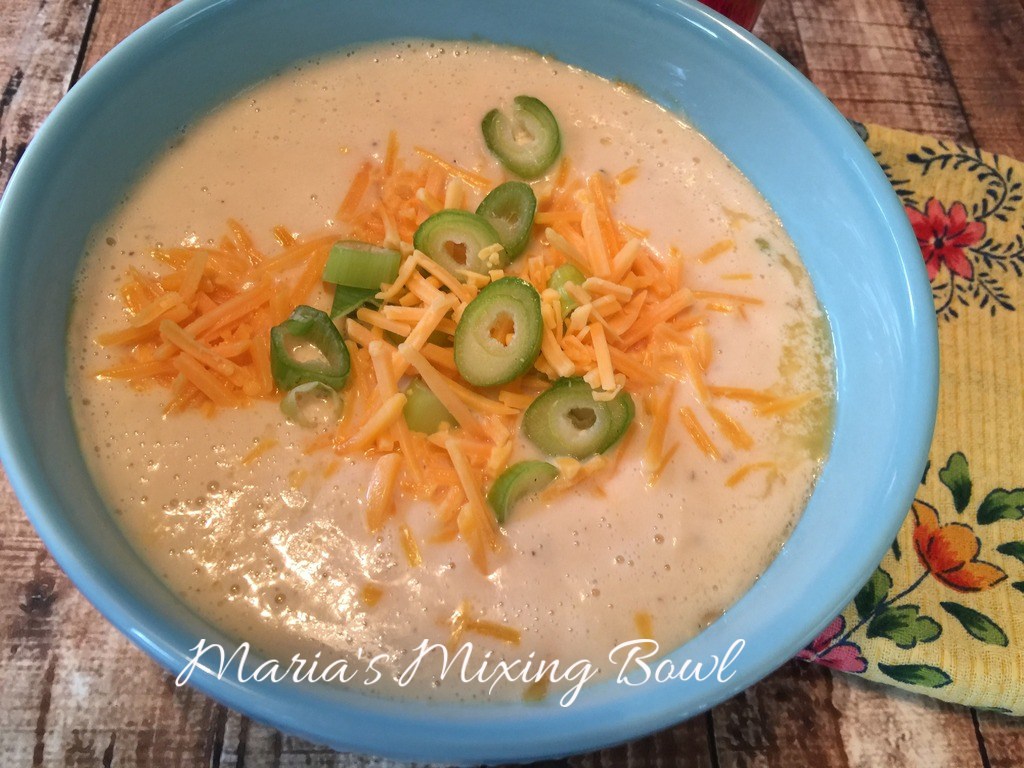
842, 655
950, 552
943, 237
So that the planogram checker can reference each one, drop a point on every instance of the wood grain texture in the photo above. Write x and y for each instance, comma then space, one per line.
880, 61
251, 745
114, 21
803, 715
786, 720
983, 43
1001, 738
687, 744
881, 726
778, 27
75, 692
40, 43
74, 688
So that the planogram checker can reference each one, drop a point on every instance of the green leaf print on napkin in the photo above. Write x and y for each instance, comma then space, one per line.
916, 674
957, 478
1002, 504
904, 626
978, 625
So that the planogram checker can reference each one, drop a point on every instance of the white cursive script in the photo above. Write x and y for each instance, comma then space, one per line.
634, 669
494, 671
638, 662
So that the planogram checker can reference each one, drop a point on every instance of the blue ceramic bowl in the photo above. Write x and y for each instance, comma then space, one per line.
794, 146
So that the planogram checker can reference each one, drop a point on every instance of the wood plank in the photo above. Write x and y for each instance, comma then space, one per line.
689, 741
251, 745
115, 21
32, 586
74, 688
257, 746
880, 61
983, 42
786, 720
881, 725
1002, 738
39, 49
777, 26
805, 715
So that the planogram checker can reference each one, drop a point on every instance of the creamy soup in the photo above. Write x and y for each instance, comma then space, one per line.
263, 529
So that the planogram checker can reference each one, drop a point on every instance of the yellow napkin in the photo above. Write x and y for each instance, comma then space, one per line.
944, 612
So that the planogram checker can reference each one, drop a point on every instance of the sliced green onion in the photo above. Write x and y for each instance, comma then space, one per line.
517, 482
567, 420
455, 238
361, 265
528, 141
300, 404
510, 208
423, 411
347, 300
567, 273
308, 347
498, 337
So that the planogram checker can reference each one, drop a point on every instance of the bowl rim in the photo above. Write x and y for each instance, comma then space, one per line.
144, 630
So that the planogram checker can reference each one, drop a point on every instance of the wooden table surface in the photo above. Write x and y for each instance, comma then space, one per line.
74, 692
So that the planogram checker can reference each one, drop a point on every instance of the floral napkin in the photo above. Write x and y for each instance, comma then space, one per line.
944, 612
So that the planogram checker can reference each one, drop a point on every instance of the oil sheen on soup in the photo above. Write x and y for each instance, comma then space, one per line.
261, 523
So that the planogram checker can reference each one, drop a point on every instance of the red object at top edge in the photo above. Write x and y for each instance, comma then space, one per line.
743, 12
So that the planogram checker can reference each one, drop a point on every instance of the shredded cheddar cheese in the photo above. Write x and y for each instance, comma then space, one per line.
260, 448
626, 176
200, 328
715, 251
410, 547
733, 432
782, 405
738, 476
644, 624
493, 629
463, 621
380, 502
697, 433
371, 594
536, 691
666, 459
381, 420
